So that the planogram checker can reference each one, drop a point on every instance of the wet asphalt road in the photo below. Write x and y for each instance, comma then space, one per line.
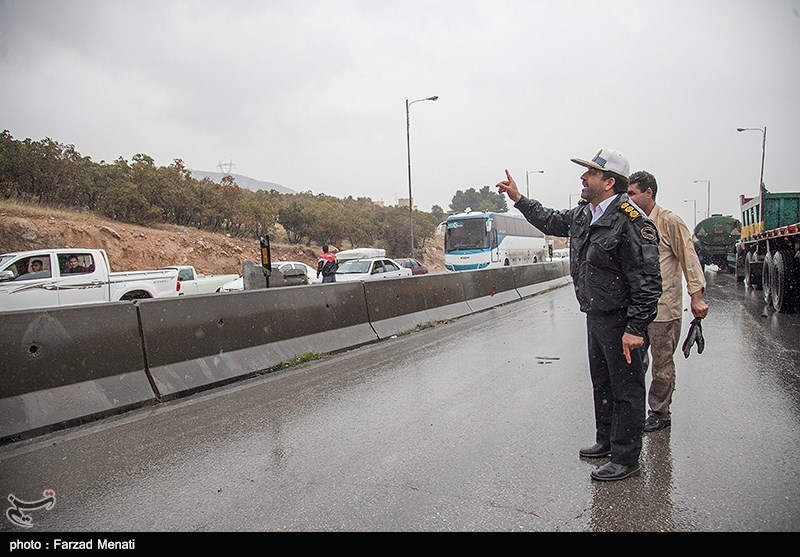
472, 425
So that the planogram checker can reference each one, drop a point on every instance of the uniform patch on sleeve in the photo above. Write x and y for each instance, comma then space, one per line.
649, 233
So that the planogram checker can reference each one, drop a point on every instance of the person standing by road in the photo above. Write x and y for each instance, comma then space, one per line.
615, 272
327, 265
677, 257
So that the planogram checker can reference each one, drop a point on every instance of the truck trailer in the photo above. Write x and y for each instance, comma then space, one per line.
768, 253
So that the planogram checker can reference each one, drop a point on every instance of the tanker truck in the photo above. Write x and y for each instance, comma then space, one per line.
715, 241
768, 253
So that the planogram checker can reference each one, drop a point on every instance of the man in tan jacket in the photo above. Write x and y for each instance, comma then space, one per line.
677, 257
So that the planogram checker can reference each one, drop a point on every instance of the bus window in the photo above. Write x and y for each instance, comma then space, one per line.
466, 234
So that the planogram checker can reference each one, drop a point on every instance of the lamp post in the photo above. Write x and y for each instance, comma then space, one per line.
708, 204
694, 211
408, 145
763, 146
527, 183
571, 196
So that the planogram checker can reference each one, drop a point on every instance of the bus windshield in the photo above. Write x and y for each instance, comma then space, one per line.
466, 234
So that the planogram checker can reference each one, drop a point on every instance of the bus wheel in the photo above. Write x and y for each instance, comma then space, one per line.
784, 282
506, 263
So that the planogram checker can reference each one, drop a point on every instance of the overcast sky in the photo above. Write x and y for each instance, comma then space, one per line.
311, 94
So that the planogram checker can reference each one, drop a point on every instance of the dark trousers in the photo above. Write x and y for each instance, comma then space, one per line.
328, 278
619, 388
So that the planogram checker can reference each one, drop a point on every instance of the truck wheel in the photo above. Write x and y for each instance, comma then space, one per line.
766, 278
797, 281
784, 282
752, 270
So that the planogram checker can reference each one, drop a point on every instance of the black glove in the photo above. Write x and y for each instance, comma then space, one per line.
694, 336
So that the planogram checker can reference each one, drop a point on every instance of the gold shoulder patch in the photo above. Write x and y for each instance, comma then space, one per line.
582, 201
630, 210
649, 233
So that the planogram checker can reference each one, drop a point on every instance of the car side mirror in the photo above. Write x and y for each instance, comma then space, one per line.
6, 276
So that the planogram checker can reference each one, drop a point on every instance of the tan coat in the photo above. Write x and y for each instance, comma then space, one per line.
678, 259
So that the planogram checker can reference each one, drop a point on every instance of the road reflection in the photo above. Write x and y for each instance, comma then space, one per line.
644, 500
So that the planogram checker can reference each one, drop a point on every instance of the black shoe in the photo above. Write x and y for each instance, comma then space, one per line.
595, 451
611, 471
654, 423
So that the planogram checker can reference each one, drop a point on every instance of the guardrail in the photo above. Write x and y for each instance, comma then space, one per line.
65, 366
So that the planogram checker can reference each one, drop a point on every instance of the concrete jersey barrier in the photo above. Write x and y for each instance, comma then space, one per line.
397, 305
533, 279
201, 341
489, 288
61, 366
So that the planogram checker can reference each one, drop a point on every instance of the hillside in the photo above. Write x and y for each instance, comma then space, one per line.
242, 181
132, 247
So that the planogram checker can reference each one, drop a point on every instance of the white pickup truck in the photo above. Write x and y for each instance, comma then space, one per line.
192, 282
70, 276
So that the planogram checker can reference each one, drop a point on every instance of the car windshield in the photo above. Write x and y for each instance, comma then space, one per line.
353, 266
5, 259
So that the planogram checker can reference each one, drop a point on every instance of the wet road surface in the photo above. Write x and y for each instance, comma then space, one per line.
472, 425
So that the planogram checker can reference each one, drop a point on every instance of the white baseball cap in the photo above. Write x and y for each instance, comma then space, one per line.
608, 159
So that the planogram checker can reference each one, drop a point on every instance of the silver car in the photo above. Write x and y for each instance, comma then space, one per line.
370, 269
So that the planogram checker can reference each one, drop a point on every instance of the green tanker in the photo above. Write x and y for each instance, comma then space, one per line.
715, 241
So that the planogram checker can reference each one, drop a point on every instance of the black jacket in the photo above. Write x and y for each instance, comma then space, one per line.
614, 262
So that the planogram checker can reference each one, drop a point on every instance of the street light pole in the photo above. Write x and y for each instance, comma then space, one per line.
694, 211
571, 196
408, 145
708, 205
763, 146
527, 183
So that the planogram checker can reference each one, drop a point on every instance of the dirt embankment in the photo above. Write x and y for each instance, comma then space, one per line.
132, 248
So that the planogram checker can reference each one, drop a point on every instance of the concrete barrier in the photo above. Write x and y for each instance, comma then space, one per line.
397, 305
65, 365
489, 288
539, 277
200, 341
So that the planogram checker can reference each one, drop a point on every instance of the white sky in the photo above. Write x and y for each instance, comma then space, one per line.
311, 94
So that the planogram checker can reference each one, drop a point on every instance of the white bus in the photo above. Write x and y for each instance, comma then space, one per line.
481, 240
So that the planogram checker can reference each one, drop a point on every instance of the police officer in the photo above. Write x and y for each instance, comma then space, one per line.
615, 271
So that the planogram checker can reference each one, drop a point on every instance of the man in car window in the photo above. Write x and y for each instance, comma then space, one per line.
74, 267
